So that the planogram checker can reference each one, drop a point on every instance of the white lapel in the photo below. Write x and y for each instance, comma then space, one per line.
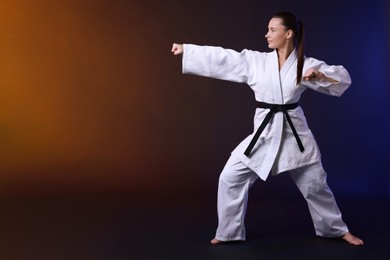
275, 78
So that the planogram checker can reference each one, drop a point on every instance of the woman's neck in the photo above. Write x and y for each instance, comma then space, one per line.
283, 54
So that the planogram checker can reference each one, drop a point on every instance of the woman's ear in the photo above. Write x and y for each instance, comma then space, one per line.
289, 34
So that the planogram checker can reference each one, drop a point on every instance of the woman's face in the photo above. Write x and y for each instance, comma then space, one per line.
277, 36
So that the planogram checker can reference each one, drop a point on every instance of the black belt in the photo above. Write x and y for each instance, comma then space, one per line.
274, 108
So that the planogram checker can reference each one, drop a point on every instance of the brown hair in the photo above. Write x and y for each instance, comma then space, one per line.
291, 22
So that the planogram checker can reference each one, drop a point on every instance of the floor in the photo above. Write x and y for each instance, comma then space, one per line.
123, 226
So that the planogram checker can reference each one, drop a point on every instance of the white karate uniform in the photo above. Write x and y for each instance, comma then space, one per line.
276, 150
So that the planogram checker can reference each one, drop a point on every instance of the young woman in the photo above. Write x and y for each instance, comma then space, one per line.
282, 140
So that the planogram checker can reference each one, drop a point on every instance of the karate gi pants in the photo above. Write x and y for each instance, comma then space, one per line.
235, 181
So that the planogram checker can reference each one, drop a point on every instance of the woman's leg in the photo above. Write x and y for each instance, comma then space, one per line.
326, 216
234, 183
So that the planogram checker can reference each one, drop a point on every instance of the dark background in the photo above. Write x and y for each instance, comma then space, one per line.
91, 99
108, 152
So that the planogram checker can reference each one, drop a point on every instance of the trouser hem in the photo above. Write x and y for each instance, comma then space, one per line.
224, 239
336, 235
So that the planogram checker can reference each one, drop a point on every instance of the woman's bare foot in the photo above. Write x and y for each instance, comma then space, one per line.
352, 239
215, 241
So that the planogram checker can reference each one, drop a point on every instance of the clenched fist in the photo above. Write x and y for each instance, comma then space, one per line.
177, 49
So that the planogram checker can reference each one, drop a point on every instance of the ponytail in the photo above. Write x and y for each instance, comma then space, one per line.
300, 43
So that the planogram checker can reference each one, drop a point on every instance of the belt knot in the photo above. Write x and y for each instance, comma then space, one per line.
274, 108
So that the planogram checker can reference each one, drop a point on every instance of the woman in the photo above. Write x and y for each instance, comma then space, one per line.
281, 140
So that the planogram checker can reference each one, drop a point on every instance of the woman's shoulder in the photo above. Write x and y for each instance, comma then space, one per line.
262, 54
312, 61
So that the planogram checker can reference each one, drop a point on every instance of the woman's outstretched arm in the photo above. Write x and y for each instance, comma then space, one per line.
217, 62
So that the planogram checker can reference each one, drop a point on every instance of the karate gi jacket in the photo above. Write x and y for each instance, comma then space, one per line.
276, 150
